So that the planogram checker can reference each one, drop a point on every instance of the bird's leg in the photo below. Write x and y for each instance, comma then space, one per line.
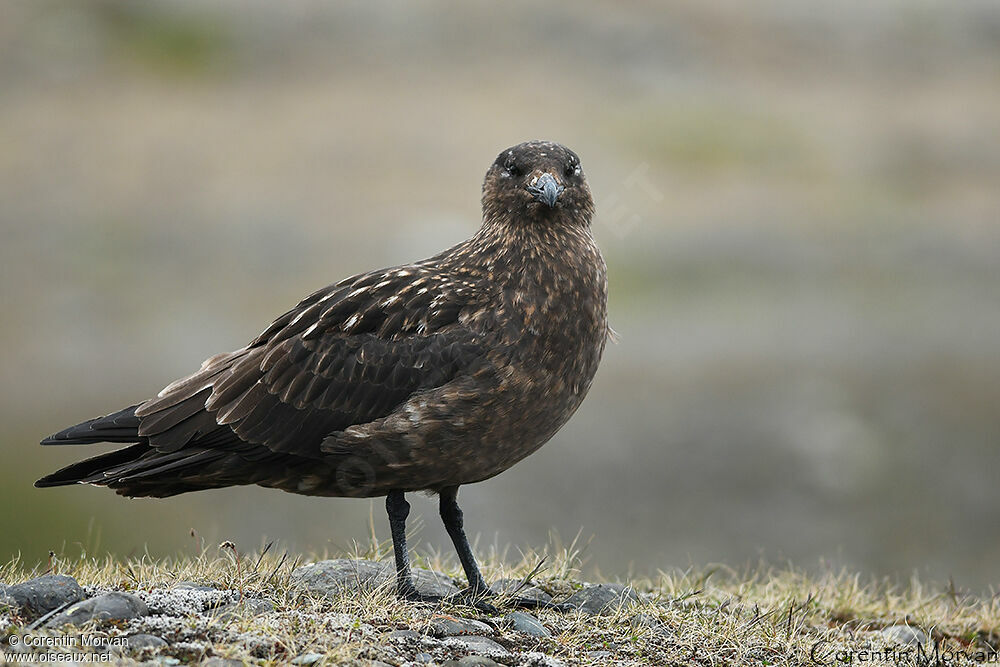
451, 515
398, 509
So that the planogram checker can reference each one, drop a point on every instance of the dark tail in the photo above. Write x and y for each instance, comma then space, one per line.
92, 469
122, 426
138, 470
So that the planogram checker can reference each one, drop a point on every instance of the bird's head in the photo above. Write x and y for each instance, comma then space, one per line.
537, 181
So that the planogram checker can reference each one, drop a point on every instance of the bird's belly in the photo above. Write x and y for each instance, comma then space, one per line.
467, 431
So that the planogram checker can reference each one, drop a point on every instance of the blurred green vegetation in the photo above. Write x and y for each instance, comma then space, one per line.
164, 39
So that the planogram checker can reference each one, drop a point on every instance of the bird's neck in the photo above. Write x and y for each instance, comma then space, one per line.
551, 255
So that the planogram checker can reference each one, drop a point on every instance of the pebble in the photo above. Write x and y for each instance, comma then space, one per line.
41, 595
451, 626
113, 606
221, 662
905, 635
524, 622
140, 642
247, 608
472, 661
307, 659
404, 635
330, 578
602, 598
480, 645
599, 655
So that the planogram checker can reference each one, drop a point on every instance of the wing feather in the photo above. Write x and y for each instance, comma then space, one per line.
346, 355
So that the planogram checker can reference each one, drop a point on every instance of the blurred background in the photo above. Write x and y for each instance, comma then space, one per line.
798, 202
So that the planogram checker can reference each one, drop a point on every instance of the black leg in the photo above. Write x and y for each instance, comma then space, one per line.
451, 515
398, 509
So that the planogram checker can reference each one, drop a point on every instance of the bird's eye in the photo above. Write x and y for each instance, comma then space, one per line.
511, 169
572, 169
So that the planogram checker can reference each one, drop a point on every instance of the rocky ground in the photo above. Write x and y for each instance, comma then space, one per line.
189, 621
260, 610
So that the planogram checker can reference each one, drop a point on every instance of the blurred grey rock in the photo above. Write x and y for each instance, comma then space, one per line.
246, 608
528, 624
332, 577
43, 594
905, 635
451, 626
602, 598
599, 655
140, 642
307, 659
425, 658
221, 662
481, 646
509, 586
115, 606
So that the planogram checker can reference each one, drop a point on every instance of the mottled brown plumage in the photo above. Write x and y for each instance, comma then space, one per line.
426, 376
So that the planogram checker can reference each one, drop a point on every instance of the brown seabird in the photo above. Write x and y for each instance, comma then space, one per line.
421, 377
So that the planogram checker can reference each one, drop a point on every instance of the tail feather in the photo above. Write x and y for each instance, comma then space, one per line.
121, 426
94, 466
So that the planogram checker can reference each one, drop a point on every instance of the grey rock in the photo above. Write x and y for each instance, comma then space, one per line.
602, 598
429, 582
526, 623
331, 577
307, 659
599, 655
509, 586
450, 626
41, 595
140, 642
404, 635
905, 635
424, 658
481, 646
114, 606
247, 608
472, 661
